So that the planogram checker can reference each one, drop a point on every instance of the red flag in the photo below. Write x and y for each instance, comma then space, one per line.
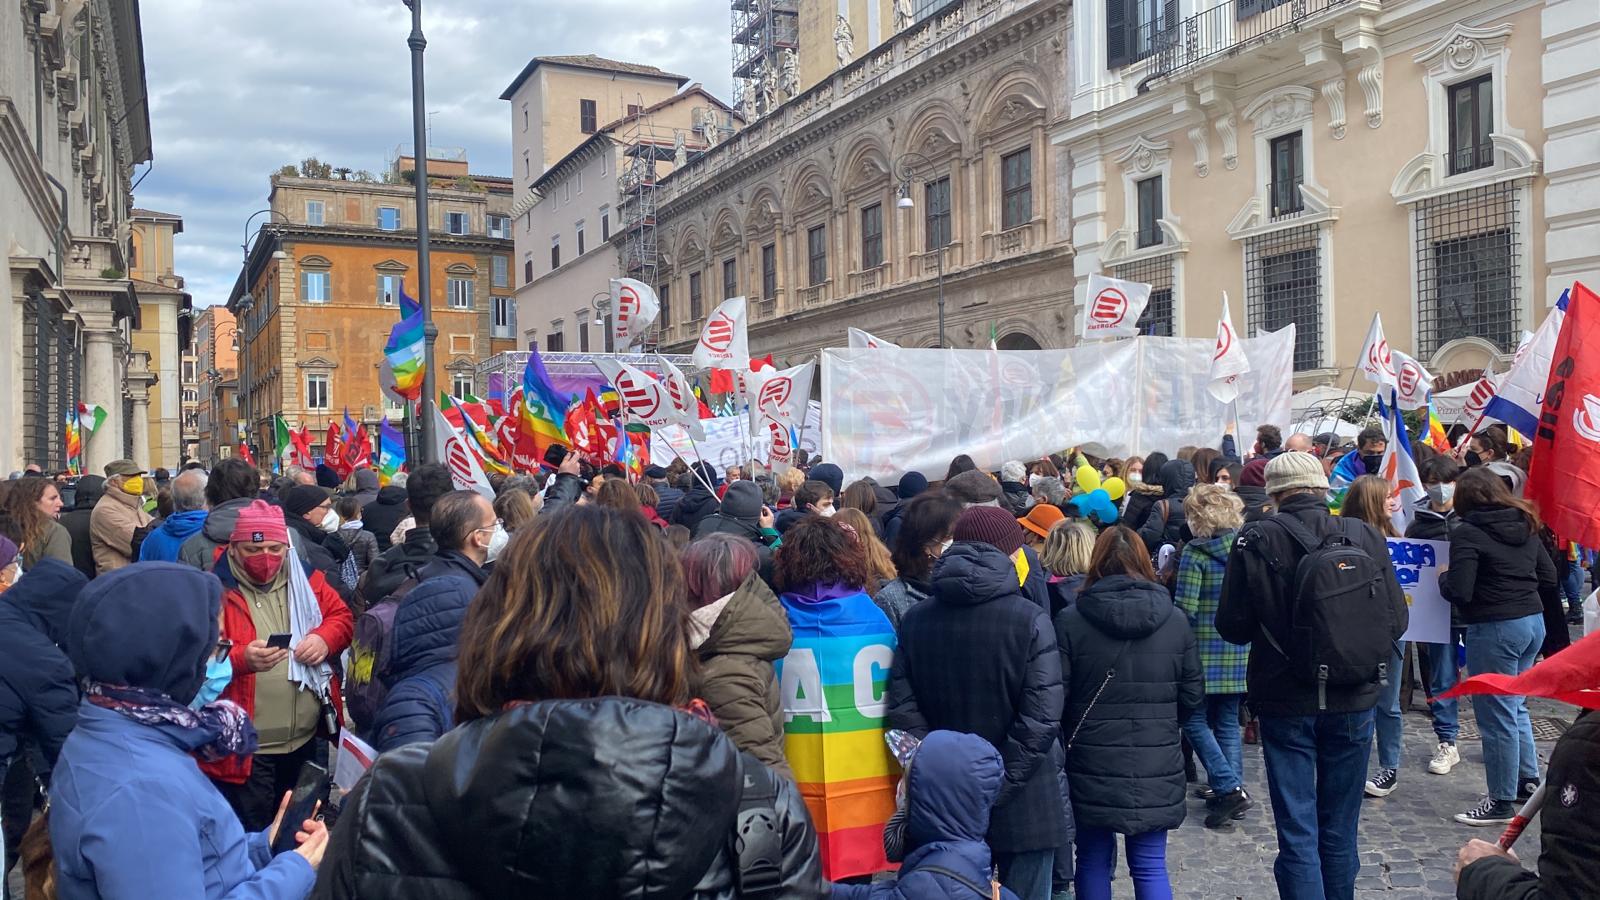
357, 452
721, 381
765, 362
244, 453
334, 450
1564, 478
300, 444
1571, 676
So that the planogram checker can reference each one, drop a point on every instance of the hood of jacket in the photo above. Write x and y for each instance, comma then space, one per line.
1505, 524
45, 595
953, 783
753, 623
390, 495
969, 574
86, 493
221, 519
1252, 495
1177, 477
1124, 607
427, 624
583, 798
1216, 547
366, 481
181, 526
151, 625
722, 523
698, 500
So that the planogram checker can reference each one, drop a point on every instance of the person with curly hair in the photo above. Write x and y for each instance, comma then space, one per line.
34, 505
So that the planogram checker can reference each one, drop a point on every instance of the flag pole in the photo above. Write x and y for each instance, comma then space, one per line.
1349, 385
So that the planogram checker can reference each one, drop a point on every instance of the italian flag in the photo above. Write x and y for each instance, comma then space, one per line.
281, 437
90, 417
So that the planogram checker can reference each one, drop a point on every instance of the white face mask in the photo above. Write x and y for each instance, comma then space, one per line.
827, 511
497, 542
1135, 478
330, 522
1034, 479
945, 547
1441, 494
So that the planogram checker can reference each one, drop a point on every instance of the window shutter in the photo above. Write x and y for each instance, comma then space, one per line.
1117, 43
1246, 8
1169, 22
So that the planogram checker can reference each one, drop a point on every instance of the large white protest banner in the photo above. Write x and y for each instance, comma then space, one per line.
1417, 564
886, 412
726, 440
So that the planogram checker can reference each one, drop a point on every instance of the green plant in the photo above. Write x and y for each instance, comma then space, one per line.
111, 274
311, 167
288, 172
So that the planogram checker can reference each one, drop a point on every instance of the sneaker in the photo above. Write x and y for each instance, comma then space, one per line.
1489, 812
1575, 617
1444, 759
1525, 789
1384, 783
1228, 807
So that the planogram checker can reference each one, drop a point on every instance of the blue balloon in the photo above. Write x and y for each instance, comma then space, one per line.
1097, 506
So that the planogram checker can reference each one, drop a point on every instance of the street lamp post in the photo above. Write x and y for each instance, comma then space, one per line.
419, 140
600, 302
214, 377
905, 169
246, 303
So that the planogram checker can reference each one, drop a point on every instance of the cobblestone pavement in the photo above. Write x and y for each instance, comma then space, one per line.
1408, 839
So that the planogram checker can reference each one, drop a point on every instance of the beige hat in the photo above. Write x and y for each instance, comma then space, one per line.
1288, 471
122, 467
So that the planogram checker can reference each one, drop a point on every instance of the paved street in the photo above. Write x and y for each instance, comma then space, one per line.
1408, 840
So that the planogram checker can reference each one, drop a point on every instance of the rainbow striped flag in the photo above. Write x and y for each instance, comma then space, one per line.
543, 407
74, 443
391, 451
405, 349
1437, 436
833, 723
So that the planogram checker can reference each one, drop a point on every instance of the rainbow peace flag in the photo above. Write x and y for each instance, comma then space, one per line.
404, 352
1437, 436
74, 443
543, 407
391, 451
833, 726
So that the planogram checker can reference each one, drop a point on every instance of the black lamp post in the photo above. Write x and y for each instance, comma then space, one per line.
905, 168
419, 139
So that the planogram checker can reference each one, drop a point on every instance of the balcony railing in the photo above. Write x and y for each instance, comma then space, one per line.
1227, 28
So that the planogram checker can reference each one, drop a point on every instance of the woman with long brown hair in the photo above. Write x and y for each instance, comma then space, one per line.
1370, 499
1497, 565
1132, 674
575, 771
34, 504
878, 558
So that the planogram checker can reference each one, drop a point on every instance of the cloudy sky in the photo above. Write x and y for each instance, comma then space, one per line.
240, 88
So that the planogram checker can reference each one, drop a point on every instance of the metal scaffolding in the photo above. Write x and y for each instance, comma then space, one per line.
762, 30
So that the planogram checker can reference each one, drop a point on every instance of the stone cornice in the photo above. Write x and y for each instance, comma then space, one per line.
18, 152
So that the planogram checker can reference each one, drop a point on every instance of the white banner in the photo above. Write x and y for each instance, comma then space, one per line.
862, 340
725, 440
1113, 309
888, 412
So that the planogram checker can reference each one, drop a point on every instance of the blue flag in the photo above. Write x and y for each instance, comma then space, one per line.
408, 306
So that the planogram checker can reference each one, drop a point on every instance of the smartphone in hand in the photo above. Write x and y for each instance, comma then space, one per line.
311, 790
279, 641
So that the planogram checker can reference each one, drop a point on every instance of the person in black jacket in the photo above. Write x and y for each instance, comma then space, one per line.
667, 496
981, 657
1132, 674
1497, 566
742, 514
700, 501
307, 510
76, 521
576, 771
1315, 746
393, 566
1251, 486
1434, 519
1165, 523
1014, 493
383, 514
1144, 488
1569, 830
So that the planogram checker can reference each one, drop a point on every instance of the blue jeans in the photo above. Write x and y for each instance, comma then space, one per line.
1316, 767
1213, 731
1572, 586
1386, 714
1509, 648
1027, 874
1097, 862
1438, 663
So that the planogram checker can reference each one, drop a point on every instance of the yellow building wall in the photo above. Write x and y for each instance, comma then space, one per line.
561, 118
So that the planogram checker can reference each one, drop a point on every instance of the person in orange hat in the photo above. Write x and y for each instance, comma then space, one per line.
1037, 523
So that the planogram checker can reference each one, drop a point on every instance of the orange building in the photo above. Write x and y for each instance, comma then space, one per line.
320, 291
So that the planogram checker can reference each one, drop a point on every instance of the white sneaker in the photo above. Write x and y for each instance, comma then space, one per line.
1444, 759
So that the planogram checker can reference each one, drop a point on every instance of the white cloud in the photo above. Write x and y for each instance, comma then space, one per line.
238, 89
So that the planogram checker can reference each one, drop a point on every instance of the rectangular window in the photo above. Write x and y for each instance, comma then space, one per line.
499, 226
1288, 170
555, 341
1136, 29
610, 339
936, 214
388, 218
501, 324
664, 294
872, 236
633, 109
1156, 272
730, 278
388, 290
460, 385
314, 212
586, 117
816, 254
580, 181
694, 296
1016, 189
1471, 121
1150, 211
605, 224
527, 271
580, 239
459, 290
525, 121
1284, 284
314, 287
316, 391
555, 253
583, 331
769, 272
456, 222
1468, 276
499, 272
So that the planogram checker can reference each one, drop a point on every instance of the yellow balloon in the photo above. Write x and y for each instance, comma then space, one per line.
1114, 488
1088, 479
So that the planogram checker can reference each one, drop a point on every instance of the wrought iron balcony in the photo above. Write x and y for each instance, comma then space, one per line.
1227, 29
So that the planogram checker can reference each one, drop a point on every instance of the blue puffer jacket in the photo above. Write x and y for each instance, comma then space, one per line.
162, 544
419, 706
38, 692
950, 791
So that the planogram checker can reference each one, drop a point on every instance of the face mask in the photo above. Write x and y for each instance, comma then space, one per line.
219, 672
1135, 478
133, 485
945, 547
827, 511
1034, 479
1373, 462
1441, 494
1473, 459
330, 522
497, 542
261, 568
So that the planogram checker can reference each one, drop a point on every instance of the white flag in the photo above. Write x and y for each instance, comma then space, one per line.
643, 399
778, 440
1413, 382
452, 449
1113, 309
634, 308
781, 395
1228, 361
860, 340
1377, 360
680, 395
725, 341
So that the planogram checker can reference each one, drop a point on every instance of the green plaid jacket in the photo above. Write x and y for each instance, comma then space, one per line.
1197, 591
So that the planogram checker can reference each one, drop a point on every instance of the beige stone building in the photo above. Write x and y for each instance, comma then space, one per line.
1324, 160
158, 389
216, 348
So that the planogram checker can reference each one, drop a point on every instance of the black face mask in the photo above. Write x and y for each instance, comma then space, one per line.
1373, 461
1473, 459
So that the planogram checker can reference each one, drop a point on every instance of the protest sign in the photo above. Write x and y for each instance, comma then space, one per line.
1417, 563
355, 757
725, 440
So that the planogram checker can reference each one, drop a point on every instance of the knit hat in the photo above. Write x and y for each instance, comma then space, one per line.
260, 522
830, 475
303, 498
912, 484
973, 488
742, 500
1040, 518
1288, 471
8, 551
655, 473
327, 477
1255, 473
989, 525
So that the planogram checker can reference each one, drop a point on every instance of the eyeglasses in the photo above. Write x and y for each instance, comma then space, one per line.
492, 526
223, 648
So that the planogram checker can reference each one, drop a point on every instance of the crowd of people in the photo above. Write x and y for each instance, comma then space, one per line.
719, 684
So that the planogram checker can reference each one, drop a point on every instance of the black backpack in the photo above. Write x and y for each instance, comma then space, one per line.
1340, 617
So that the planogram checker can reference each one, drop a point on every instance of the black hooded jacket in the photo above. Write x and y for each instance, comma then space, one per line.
76, 522
38, 692
1124, 764
607, 797
695, 505
382, 515
1166, 523
980, 657
1497, 564
321, 551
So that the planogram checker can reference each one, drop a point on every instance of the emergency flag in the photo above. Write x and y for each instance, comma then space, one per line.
1564, 479
724, 341
1113, 308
